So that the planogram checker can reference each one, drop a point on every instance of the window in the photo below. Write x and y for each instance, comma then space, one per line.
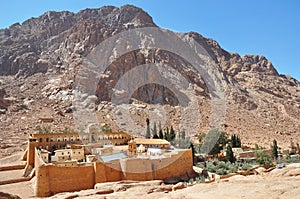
41, 139
47, 139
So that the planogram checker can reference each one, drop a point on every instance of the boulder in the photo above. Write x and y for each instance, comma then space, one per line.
179, 185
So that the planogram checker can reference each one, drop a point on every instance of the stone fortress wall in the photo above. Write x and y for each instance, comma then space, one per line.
51, 179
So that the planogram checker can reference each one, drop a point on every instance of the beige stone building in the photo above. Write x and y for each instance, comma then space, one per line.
139, 143
61, 155
63, 171
45, 155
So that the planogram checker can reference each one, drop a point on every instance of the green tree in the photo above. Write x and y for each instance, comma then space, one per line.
160, 131
68, 130
43, 129
154, 130
148, 135
106, 128
263, 158
214, 142
298, 148
238, 142
275, 149
167, 134
233, 140
182, 135
159, 126
201, 137
229, 154
172, 134
160, 134
293, 148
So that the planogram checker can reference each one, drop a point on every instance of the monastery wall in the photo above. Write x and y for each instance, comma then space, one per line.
53, 179
180, 164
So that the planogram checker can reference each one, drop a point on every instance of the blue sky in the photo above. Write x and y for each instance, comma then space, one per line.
267, 27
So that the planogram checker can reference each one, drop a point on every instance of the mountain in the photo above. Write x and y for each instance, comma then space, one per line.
40, 60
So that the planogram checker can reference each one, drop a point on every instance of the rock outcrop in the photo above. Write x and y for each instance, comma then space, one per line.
40, 58
8, 196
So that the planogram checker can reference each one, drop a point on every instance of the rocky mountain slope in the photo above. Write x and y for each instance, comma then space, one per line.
40, 58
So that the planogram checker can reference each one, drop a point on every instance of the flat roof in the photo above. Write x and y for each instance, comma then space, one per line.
151, 141
115, 156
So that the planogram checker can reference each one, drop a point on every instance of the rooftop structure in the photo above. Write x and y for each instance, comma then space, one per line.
54, 141
137, 144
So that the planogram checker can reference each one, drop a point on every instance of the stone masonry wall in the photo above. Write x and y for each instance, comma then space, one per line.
53, 179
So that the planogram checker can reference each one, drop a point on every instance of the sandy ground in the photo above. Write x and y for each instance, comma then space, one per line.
12, 160
21, 189
9, 175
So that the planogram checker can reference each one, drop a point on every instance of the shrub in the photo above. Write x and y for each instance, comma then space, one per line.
246, 166
221, 168
221, 172
263, 158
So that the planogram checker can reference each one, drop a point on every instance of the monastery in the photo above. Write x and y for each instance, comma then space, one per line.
76, 161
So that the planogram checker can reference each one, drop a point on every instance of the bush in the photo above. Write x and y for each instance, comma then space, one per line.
221, 172
224, 168
246, 166
290, 159
221, 168
263, 158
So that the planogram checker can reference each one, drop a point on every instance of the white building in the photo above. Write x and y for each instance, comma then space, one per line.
45, 155
77, 154
154, 152
61, 155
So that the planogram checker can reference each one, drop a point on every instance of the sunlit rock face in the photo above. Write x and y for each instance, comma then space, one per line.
40, 60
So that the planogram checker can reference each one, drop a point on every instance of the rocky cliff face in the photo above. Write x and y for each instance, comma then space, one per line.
40, 58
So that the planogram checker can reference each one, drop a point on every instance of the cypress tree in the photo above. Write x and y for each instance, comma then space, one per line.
167, 134
238, 142
233, 140
161, 135
182, 135
298, 148
148, 128
275, 149
229, 154
154, 130
172, 134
